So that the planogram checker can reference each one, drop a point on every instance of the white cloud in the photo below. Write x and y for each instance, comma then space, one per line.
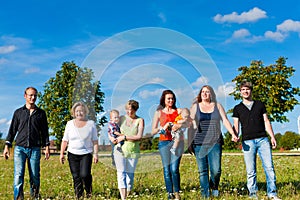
146, 93
3, 121
276, 36
162, 17
252, 15
283, 30
157, 80
242, 33
225, 90
200, 82
32, 70
7, 49
289, 26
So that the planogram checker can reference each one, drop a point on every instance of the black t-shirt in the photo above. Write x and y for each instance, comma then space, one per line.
252, 121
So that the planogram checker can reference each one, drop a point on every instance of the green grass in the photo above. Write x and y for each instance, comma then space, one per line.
56, 180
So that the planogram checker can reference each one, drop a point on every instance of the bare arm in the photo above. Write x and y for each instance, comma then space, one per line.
155, 123
227, 123
269, 130
95, 151
136, 137
236, 125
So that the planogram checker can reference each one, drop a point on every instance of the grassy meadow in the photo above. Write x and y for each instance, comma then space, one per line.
56, 180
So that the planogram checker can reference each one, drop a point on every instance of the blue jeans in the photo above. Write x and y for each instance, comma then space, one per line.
33, 156
208, 158
171, 164
263, 148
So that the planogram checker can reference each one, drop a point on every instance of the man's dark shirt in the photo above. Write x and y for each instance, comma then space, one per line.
252, 121
31, 130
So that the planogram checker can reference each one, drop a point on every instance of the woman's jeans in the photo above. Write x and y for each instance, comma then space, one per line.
171, 164
208, 158
80, 166
263, 148
33, 156
125, 170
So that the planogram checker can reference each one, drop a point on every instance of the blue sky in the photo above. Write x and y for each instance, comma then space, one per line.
137, 48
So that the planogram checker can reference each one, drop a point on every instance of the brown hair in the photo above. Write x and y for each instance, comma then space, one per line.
133, 104
212, 94
247, 84
163, 98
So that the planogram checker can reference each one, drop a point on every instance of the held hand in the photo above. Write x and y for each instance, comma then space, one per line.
234, 138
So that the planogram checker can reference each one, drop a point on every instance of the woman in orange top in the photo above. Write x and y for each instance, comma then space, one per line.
163, 117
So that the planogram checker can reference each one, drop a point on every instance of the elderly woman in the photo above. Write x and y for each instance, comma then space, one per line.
81, 138
132, 128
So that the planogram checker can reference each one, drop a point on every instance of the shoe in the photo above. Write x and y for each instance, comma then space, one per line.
274, 198
215, 193
171, 196
177, 196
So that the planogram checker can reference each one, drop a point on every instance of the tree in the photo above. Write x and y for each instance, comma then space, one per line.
290, 140
70, 84
146, 142
271, 86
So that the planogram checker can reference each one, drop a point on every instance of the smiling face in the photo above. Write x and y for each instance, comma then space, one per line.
30, 96
205, 94
80, 113
169, 100
246, 93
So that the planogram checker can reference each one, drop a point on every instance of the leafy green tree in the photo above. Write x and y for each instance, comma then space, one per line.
70, 84
271, 86
146, 142
290, 140
278, 137
155, 142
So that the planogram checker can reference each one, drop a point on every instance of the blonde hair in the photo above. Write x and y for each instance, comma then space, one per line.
75, 105
113, 111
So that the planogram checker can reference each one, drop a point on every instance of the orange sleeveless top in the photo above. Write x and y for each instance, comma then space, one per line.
165, 118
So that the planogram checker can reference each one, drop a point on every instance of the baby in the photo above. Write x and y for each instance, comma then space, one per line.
185, 121
113, 127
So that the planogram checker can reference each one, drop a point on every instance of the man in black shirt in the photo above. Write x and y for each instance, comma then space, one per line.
255, 126
29, 125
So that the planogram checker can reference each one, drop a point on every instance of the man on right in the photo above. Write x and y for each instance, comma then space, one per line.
255, 126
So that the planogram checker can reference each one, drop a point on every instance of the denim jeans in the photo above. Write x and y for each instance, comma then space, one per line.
171, 164
208, 158
263, 148
80, 166
33, 156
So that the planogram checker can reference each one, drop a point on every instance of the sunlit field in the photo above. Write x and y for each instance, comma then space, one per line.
56, 180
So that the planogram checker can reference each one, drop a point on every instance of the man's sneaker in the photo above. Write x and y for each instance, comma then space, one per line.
171, 196
215, 193
274, 198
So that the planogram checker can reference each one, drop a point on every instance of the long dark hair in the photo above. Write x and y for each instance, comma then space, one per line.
163, 97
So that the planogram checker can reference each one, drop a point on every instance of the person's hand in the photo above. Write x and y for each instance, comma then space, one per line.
273, 142
120, 138
191, 150
95, 158
47, 153
234, 138
6, 153
62, 159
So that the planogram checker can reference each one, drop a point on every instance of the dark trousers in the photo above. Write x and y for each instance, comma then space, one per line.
80, 166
